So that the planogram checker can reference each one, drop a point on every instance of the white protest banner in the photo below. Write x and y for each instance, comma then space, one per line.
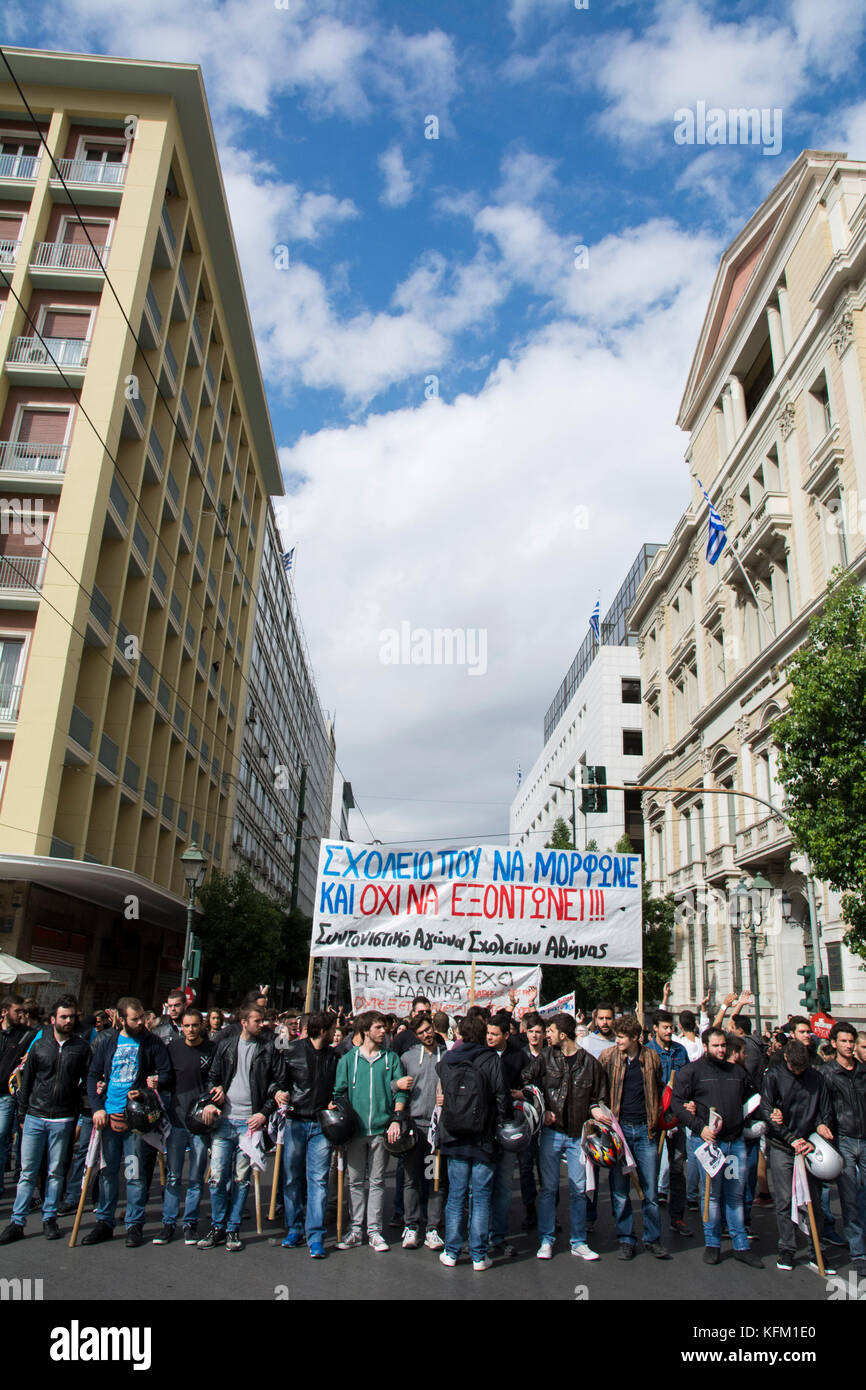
563, 1005
484, 904
390, 987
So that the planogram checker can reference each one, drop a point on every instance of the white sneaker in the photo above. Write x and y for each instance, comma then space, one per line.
350, 1241
378, 1244
584, 1252
449, 1260
545, 1251
434, 1241
481, 1265
411, 1239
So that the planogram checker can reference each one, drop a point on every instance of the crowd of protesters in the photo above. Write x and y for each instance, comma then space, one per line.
694, 1117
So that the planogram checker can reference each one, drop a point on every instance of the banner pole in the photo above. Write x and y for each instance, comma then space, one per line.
309, 994
472, 984
640, 997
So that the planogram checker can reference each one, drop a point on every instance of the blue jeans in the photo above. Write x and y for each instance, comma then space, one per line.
229, 1174
694, 1191
500, 1200
526, 1161
727, 1190
551, 1146
178, 1141
75, 1176
306, 1152
829, 1218
645, 1153
38, 1135
8, 1116
753, 1150
468, 1177
852, 1194
128, 1147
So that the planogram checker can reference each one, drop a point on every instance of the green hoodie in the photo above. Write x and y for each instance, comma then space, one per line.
368, 1087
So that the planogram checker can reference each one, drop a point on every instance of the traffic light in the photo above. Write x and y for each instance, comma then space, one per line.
823, 988
194, 962
592, 801
809, 987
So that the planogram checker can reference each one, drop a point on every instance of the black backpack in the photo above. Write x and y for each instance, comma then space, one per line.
467, 1107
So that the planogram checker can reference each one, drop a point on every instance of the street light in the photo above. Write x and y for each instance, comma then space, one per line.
560, 786
749, 919
194, 869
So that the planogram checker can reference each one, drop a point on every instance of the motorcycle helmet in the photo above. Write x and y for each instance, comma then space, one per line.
193, 1120
406, 1139
601, 1144
531, 1107
824, 1161
143, 1111
338, 1124
514, 1135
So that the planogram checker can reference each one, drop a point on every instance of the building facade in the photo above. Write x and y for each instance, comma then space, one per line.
775, 410
593, 720
136, 460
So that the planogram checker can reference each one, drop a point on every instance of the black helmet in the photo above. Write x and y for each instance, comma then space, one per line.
193, 1120
143, 1111
338, 1124
514, 1135
406, 1139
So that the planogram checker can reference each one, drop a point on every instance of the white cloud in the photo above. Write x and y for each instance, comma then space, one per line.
525, 176
398, 181
846, 130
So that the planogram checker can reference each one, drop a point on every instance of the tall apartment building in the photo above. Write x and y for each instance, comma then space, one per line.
594, 719
775, 409
136, 459
287, 757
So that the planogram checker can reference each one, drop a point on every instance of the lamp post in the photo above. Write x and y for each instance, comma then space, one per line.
194, 869
560, 786
750, 919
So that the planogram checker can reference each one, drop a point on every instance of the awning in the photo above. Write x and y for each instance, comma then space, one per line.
12, 969
100, 884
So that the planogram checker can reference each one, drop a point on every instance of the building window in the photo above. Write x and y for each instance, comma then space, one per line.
834, 967
758, 376
632, 743
630, 692
820, 414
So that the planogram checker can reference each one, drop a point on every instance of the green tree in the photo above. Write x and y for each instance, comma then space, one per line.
561, 837
822, 749
592, 984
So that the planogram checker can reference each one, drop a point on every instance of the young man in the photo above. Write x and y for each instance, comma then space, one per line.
513, 1060
673, 1057
574, 1086
421, 1079
308, 1070
49, 1098
190, 1057
860, 1047
365, 1075
794, 1103
603, 1037
122, 1064
634, 1076
716, 1084
845, 1079
169, 1026
471, 1155
532, 1041
15, 1035
243, 1080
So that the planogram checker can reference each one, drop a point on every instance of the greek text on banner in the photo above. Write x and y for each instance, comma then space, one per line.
390, 987
486, 903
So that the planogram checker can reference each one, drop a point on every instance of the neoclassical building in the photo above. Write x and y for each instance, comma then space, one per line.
775, 411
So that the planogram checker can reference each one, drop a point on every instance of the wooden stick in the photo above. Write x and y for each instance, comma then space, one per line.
207, 1176
278, 1168
819, 1258
258, 1190
436, 1162
472, 984
339, 1195
161, 1157
309, 994
640, 997
706, 1197
637, 1186
82, 1199
662, 1138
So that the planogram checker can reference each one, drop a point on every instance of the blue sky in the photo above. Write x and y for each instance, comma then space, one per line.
454, 258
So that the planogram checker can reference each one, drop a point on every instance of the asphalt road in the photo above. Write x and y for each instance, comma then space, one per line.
264, 1271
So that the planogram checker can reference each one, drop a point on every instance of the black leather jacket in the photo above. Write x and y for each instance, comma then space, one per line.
847, 1090
53, 1078
553, 1074
307, 1074
264, 1072
13, 1045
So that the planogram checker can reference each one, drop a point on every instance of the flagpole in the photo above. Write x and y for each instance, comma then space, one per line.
752, 592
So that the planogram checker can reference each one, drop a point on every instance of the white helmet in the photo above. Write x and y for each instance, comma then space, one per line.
824, 1161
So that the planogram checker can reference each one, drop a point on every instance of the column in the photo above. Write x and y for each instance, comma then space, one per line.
777, 346
738, 403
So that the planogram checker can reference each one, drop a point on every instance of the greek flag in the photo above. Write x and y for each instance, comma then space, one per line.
717, 536
288, 559
594, 620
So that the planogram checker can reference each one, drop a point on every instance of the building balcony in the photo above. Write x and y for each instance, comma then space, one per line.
88, 180
184, 414
8, 253
18, 174
181, 301
80, 740
721, 863
154, 458
21, 578
171, 498
195, 351
41, 466
768, 838
130, 783
168, 377
139, 552
48, 361
117, 513
106, 762
219, 424
145, 676
200, 561
208, 385
175, 613
166, 240
134, 416
151, 793
158, 587
10, 700
68, 265
151, 321
767, 528
98, 632
198, 448
119, 659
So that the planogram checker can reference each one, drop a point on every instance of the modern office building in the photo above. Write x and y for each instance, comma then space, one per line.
593, 720
136, 460
775, 409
